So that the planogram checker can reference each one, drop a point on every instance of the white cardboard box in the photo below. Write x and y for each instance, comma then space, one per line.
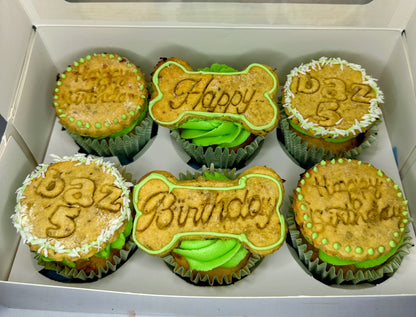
380, 35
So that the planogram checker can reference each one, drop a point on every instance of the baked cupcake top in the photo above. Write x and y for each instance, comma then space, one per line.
332, 98
72, 208
99, 95
245, 97
350, 210
246, 209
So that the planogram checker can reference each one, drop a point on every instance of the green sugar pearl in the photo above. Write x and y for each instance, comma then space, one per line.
111, 56
72, 119
381, 249
380, 173
87, 125
309, 225
132, 113
88, 57
124, 116
135, 71
303, 207
370, 251
141, 87
324, 241
315, 169
56, 89
115, 121
307, 175
79, 123
56, 104
400, 195
323, 163
396, 234
59, 83
82, 60
300, 197
392, 243
340, 160
76, 64
336, 245
302, 182
305, 216
358, 250
333, 161
348, 248
98, 125
69, 69
129, 65
314, 235
120, 59
298, 189
396, 187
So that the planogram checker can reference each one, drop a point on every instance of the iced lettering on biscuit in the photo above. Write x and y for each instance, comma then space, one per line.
245, 96
246, 209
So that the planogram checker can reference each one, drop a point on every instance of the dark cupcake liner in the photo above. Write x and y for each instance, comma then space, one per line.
124, 147
220, 157
59, 272
327, 274
307, 158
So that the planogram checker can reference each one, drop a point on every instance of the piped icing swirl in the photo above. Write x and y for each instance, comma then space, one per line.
214, 132
330, 101
205, 255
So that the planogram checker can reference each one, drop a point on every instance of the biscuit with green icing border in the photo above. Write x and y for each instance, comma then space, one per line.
100, 95
246, 209
350, 210
247, 97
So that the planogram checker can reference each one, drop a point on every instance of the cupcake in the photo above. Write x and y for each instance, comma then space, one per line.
218, 115
348, 223
210, 229
75, 215
102, 102
331, 108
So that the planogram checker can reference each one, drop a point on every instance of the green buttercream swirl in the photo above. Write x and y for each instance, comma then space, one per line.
214, 132
205, 255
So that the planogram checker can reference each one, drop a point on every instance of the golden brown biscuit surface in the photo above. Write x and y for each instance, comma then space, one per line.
247, 209
100, 95
247, 97
72, 210
350, 210
332, 98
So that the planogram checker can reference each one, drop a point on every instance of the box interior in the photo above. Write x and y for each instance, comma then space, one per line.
52, 48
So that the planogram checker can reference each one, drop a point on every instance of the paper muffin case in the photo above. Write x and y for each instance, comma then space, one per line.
62, 273
220, 157
307, 158
253, 261
326, 273
124, 147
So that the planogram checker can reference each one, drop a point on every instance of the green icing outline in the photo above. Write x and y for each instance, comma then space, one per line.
240, 237
233, 116
98, 125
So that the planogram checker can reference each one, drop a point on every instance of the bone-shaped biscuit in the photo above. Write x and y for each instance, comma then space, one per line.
246, 209
246, 97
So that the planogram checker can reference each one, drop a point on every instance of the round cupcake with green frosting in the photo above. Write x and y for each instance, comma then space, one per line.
209, 237
331, 108
217, 114
102, 101
75, 215
348, 223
